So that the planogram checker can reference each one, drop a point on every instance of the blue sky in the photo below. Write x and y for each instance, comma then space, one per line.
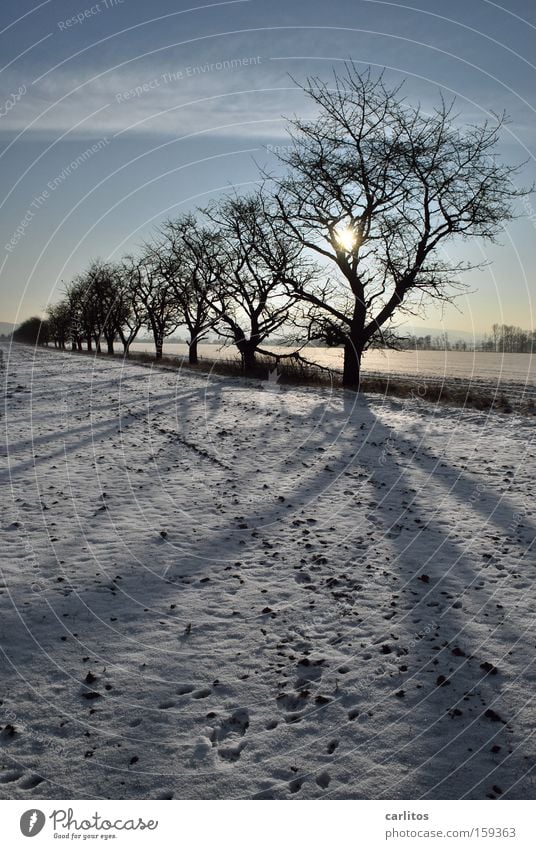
135, 111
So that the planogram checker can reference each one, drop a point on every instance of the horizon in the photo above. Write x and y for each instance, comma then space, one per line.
418, 332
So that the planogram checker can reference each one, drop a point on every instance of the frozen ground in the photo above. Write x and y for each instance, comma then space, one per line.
213, 588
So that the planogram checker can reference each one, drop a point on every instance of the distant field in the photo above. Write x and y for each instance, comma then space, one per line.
492, 368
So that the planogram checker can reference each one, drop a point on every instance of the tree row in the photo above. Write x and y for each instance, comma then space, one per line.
352, 231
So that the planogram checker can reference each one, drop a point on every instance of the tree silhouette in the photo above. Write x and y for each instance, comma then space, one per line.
33, 331
376, 187
188, 261
258, 267
155, 297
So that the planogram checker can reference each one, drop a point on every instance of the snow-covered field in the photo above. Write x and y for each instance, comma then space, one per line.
493, 370
213, 588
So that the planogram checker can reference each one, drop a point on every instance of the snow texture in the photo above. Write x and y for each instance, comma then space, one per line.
221, 588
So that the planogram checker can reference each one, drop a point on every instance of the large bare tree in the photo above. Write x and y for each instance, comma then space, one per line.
258, 267
376, 187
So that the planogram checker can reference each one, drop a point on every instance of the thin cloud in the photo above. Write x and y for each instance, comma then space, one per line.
160, 101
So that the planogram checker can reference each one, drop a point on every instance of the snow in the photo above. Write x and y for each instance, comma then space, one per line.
217, 588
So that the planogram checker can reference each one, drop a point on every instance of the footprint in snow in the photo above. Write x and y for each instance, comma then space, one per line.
31, 782
184, 689
9, 777
323, 780
309, 671
202, 694
231, 730
236, 724
292, 703
231, 753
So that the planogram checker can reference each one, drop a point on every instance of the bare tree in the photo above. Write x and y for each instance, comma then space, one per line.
103, 282
71, 299
134, 314
253, 296
82, 311
157, 298
96, 307
59, 322
188, 257
376, 187
35, 331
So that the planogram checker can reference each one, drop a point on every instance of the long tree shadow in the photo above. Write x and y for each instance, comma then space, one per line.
446, 573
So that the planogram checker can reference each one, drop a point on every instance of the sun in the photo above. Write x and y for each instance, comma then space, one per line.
346, 238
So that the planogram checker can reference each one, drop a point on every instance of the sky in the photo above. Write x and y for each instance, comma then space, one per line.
118, 114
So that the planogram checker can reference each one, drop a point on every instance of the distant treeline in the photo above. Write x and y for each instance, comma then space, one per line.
441, 342
507, 339
503, 339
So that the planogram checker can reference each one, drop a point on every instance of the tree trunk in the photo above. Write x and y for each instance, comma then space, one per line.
89, 343
159, 346
353, 351
249, 360
79, 345
110, 344
192, 352
353, 347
